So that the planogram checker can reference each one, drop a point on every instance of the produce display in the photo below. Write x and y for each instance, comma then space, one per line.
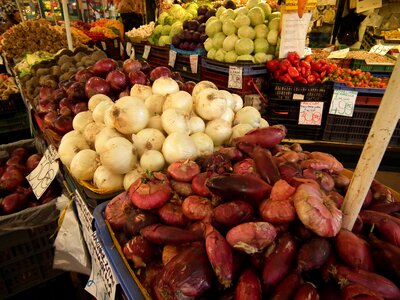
260, 220
249, 33
101, 29
15, 191
358, 78
138, 35
7, 86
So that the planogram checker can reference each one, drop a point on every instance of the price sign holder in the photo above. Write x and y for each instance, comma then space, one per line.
235, 79
311, 113
103, 45
194, 63
172, 58
146, 51
45, 172
121, 49
380, 49
343, 102
128, 48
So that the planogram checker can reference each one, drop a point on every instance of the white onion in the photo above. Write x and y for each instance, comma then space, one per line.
204, 144
248, 115
119, 155
84, 164
228, 115
108, 118
164, 86
173, 121
230, 102
180, 101
178, 146
154, 104
238, 102
148, 139
96, 99
155, 122
263, 123
141, 91
152, 160
72, 133
219, 131
131, 177
106, 180
196, 124
201, 86
129, 115
210, 104
81, 120
69, 147
239, 130
91, 131
103, 136
99, 111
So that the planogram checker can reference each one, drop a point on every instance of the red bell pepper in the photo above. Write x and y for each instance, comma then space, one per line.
284, 65
286, 78
292, 71
272, 65
293, 57
311, 79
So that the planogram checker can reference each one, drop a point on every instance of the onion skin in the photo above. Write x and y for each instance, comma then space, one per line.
183, 189
277, 211
282, 190
183, 171
341, 181
171, 214
139, 251
245, 167
387, 208
390, 231
248, 286
322, 161
233, 213
289, 170
150, 195
239, 186
163, 235
307, 291
197, 208
266, 137
377, 283
199, 184
353, 250
358, 291
265, 165
313, 254
286, 289
279, 263
217, 163
220, 255
251, 237
381, 193
374, 217
231, 153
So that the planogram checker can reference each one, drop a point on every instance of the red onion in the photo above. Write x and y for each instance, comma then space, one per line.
76, 91
65, 111
11, 179
79, 107
137, 77
97, 85
117, 80
33, 161
131, 65
104, 66
83, 76
63, 124
49, 119
158, 72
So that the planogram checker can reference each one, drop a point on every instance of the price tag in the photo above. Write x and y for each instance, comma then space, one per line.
298, 96
343, 102
172, 58
146, 51
115, 43
307, 51
121, 49
235, 79
133, 53
103, 45
310, 113
128, 48
194, 62
380, 49
102, 281
339, 53
42, 176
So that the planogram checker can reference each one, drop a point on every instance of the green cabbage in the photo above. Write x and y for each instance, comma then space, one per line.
251, 3
218, 40
272, 37
176, 28
241, 11
244, 46
211, 53
256, 15
161, 18
261, 31
177, 12
242, 20
211, 19
260, 58
220, 55
208, 44
169, 20
274, 24
266, 8
274, 15
213, 27
220, 10
245, 57
230, 57
228, 27
261, 46
164, 40
246, 32
229, 42
166, 29
228, 14
158, 29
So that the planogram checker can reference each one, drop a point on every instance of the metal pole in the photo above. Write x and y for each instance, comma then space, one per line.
67, 25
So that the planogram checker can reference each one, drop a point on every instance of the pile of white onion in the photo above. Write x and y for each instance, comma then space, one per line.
113, 143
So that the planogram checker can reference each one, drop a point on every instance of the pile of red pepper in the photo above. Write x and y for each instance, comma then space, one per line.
358, 78
306, 71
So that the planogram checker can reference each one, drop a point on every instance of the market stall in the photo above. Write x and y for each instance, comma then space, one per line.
176, 156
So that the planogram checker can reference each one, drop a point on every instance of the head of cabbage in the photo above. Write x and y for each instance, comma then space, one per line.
261, 46
228, 14
218, 40
244, 46
229, 42
242, 20
230, 57
213, 27
228, 27
261, 31
220, 55
256, 15
251, 3
211, 53
246, 32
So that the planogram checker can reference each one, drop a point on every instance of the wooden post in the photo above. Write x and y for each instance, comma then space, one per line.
67, 25
378, 139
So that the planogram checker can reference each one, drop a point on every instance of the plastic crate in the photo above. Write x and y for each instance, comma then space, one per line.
314, 92
130, 285
355, 129
112, 47
12, 105
363, 66
14, 127
247, 68
182, 65
26, 259
366, 91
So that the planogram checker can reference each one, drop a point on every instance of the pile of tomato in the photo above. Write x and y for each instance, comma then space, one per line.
358, 78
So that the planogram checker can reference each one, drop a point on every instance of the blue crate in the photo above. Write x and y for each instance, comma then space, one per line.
247, 68
186, 52
129, 287
343, 86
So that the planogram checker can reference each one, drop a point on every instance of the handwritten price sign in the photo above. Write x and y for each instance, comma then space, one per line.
342, 103
311, 113
235, 79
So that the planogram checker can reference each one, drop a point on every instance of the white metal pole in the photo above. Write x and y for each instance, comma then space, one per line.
378, 139
67, 25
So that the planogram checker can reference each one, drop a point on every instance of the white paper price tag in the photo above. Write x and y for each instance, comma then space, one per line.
339, 53
235, 79
133, 53
307, 51
194, 62
343, 102
172, 58
146, 51
310, 113
121, 49
380, 49
115, 43
103, 45
43, 175
128, 48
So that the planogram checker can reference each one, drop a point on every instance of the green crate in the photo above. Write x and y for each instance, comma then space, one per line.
362, 65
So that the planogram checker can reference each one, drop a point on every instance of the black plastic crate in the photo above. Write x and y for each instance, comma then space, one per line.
14, 127
313, 92
26, 259
355, 129
11, 106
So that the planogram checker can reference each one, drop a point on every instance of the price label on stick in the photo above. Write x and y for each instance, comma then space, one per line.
45, 172
235, 79
311, 113
103, 45
146, 51
343, 102
194, 62
128, 48
172, 58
